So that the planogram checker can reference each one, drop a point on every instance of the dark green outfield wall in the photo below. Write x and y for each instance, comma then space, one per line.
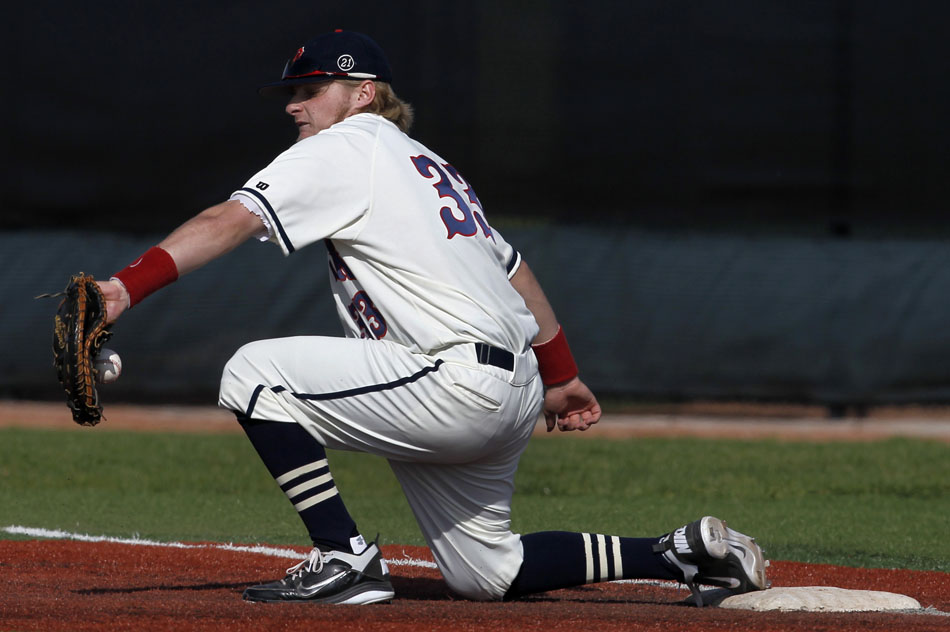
649, 315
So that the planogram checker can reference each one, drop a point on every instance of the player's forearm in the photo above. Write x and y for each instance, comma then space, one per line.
526, 284
555, 361
201, 239
210, 234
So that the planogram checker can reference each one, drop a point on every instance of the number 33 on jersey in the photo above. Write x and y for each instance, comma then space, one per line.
465, 220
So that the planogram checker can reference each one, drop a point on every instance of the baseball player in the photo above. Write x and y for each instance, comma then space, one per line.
451, 354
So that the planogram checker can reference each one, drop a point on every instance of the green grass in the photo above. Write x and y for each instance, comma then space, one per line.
884, 504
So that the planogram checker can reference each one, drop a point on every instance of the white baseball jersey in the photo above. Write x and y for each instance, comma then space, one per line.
421, 281
412, 259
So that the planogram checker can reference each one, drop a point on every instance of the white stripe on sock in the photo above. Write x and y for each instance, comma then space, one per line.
618, 560
602, 552
292, 474
313, 500
320, 480
589, 555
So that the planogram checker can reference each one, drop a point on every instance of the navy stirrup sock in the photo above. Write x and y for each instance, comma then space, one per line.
299, 465
561, 559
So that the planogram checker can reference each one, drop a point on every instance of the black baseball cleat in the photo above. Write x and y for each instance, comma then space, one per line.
331, 577
710, 553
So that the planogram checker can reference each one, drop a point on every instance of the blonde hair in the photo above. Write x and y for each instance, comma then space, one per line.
391, 107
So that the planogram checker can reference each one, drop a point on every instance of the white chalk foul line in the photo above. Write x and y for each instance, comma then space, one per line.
56, 534
291, 554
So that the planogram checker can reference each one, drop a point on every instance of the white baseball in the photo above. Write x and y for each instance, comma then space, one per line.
108, 366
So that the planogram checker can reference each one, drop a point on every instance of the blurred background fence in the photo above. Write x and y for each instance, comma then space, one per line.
724, 200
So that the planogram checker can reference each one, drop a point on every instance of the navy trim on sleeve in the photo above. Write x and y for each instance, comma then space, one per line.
514, 262
273, 217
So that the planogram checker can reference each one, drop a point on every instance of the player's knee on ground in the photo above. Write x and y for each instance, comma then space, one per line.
482, 584
472, 590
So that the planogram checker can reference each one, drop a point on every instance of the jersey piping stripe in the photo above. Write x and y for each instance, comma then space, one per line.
273, 217
373, 388
251, 404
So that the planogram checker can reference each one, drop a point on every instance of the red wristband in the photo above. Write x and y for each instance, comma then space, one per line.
555, 362
149, 273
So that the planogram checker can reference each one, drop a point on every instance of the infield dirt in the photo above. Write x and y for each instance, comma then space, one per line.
65, 585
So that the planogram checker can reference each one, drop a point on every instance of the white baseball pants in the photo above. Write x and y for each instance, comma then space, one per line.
451, 428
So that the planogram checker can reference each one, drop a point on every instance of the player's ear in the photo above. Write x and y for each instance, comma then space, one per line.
366, 93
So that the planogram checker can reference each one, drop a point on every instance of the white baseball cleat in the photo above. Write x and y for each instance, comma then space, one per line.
708, 552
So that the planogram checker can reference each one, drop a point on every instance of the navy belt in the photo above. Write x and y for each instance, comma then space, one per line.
494, 356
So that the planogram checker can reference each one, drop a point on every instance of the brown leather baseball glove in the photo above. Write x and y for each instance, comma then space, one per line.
79, 335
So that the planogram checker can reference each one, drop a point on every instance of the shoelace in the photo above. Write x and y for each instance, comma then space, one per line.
315, 559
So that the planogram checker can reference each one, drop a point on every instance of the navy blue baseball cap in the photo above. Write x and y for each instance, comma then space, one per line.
337, 55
